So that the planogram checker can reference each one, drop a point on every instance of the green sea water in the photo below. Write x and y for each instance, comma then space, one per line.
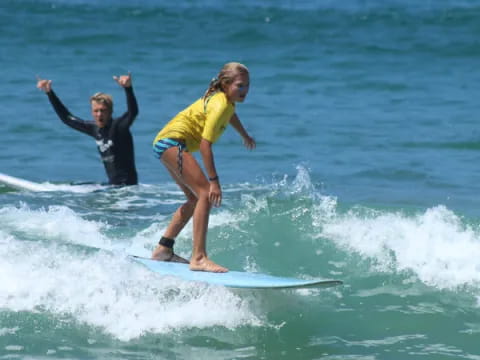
365, 171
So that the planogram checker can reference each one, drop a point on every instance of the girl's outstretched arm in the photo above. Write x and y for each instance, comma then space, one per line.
247, 139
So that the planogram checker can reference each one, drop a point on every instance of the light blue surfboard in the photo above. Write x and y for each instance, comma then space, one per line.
234, 279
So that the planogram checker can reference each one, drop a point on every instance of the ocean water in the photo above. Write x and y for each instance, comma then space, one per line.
366, 170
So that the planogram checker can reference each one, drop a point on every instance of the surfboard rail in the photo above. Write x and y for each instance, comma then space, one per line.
232, 279
17, 183
21, 184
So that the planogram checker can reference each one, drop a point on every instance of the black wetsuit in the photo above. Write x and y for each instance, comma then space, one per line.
114, 141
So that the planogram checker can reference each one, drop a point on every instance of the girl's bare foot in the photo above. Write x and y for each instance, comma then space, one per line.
205, 264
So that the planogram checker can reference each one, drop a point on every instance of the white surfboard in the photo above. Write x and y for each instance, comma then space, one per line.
26, 185
21, 184
234, 279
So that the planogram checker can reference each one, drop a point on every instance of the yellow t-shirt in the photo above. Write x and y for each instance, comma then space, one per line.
200, 121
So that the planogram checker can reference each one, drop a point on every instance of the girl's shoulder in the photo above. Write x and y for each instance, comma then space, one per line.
217, 99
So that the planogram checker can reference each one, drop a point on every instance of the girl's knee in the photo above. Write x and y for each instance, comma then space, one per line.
203, 194
191, 200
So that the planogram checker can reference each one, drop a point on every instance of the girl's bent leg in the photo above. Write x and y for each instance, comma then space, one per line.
178, 222
193, 179
180, 218
199, 260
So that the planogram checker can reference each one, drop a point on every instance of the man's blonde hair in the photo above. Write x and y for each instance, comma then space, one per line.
103, 98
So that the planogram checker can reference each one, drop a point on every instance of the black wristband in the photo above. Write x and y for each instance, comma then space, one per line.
215, 178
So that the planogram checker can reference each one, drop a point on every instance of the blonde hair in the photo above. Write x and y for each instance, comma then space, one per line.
103, 98
225, 77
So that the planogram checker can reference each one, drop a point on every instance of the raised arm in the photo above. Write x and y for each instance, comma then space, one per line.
248, 141
125, 81
63, 113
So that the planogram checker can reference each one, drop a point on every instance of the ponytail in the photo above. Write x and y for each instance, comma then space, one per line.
215, 85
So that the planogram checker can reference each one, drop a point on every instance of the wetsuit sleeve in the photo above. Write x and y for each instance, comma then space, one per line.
67, 117
129, 116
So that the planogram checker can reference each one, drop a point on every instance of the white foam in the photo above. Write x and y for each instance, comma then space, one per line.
435, 245
81, 188
439, 247
9, 331
55, 223
103, 290
40, 272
